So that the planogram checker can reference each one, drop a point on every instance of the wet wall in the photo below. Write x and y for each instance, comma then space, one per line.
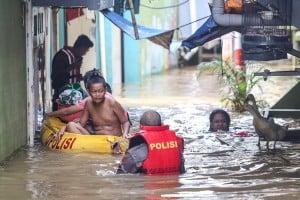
13, 114
143, 58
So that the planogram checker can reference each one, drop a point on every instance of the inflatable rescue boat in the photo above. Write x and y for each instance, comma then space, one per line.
77, 142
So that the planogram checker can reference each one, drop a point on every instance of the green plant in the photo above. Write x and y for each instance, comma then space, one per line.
238, 83
208, 67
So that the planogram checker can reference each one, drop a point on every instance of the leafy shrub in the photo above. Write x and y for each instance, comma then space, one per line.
238, 83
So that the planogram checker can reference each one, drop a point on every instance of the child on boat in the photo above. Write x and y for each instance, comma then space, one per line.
107, 116
74, 112
66, 112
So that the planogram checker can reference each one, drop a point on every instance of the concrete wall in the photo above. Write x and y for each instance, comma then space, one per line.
198, 11
142, 58
84, 25
132, 58
160, 15
13, 116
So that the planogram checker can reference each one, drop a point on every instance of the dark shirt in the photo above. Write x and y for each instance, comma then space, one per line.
62, 64
61, 67
134, 158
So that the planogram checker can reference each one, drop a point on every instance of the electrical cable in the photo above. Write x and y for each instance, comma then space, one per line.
165, 7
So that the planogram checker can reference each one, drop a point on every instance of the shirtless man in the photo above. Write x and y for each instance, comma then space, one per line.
107, 115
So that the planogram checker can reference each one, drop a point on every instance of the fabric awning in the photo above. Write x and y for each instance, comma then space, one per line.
158, 36
210, 30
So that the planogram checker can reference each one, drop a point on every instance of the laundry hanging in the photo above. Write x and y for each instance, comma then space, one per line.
73, 13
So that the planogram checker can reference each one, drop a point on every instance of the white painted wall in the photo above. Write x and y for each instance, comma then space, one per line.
116, 62
84, 25
102, 45
30, 72
48, 59
197, 9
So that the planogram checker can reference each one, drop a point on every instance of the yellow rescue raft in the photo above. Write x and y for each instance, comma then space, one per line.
77, 142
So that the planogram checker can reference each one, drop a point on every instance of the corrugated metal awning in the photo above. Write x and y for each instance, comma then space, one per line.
90, 4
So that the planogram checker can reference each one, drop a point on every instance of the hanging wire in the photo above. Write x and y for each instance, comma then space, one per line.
165, 7
172, 6
184, 25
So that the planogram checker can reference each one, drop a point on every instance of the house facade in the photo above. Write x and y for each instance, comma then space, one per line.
13, 117
31, 35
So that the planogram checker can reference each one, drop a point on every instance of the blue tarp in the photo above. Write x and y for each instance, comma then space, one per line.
210, 30
158, 36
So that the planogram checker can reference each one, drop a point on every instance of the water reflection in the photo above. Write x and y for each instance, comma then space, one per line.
219, 166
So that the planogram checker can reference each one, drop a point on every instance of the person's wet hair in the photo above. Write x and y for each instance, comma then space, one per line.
219, 111
88, 74
83, 41
95, 77
150, 118
108, 88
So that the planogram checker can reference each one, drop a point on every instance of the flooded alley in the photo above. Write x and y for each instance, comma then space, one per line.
218, 166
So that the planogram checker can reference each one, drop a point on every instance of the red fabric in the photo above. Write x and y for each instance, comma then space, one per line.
82, 103
238, 56
163, 150
242, 134
71, 117
73, 13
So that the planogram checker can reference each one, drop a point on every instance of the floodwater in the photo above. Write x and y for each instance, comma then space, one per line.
218, 166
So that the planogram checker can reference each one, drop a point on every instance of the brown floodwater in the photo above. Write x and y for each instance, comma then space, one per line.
218, 166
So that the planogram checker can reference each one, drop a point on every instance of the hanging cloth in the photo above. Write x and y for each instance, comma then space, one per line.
158, 36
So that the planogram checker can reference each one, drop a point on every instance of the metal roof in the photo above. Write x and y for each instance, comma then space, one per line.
90, 4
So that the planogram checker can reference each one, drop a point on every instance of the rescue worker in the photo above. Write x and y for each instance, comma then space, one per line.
153, 150
66, 65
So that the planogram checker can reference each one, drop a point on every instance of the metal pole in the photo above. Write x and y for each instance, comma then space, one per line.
29, 76
136, 32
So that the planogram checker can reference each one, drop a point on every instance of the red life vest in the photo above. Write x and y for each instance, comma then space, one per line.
74, 75
164, 150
